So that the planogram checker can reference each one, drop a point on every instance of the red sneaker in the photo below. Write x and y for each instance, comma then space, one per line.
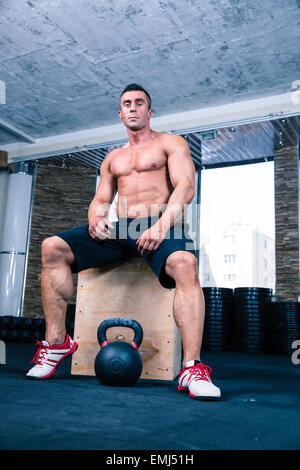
195, 380
48, 357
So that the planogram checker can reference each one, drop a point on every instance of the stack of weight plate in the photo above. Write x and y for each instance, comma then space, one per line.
250, 318
31, 329
217, 333
284, 326
21, 329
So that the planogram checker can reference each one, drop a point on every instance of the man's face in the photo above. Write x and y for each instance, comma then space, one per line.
134, 110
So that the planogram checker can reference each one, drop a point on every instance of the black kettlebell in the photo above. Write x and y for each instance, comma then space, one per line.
118, 362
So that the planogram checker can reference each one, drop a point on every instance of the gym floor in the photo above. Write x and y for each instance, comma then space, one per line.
259, 409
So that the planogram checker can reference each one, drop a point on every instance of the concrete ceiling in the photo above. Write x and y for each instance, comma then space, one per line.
65, 62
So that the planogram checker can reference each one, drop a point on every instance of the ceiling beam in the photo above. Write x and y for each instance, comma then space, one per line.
199, 120
17, 132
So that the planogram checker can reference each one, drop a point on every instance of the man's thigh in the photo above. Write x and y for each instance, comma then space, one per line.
91, 253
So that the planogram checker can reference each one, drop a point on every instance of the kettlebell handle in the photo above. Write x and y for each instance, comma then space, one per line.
127, 322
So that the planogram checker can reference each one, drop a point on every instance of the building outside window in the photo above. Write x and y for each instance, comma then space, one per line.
237, 217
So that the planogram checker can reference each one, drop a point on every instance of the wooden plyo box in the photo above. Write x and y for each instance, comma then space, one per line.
128, 290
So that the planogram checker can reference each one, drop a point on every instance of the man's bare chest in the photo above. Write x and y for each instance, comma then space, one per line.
140, 160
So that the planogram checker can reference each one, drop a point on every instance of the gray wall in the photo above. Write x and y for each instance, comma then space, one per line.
287, 224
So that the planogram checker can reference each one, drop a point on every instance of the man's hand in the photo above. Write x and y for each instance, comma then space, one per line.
99, 229
150, 240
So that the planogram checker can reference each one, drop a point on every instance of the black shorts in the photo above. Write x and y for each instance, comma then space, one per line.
91, 253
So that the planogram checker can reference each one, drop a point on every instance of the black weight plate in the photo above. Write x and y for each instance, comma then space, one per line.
250, 346
248, 338
247, 300
255, 321
249, 323
27, 323
253, 289
285, 329
218, 298
6, 321
3, 333
215, 342
15, 322
218, 316
279, 304
253, 305
215, 335
226, 303
250, 349
215, 329
284, 324
250, 341
220, 307
292, 329
25, 336
285, 305
285, 338
221, 290
39, 323
243, 312
221, 321
247, 333
283, 313
218, 295
215, 347
250, 333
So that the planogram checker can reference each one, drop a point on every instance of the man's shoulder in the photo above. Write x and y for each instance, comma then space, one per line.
171, 140
112, 153
106, 163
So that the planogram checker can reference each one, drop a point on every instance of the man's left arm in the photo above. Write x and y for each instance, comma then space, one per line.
182, 175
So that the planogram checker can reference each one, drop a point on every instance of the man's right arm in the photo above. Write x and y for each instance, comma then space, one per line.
99, 207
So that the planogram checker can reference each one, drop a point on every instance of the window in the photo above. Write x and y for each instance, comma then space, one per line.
237, 211
229, 277
229, 239
229, 258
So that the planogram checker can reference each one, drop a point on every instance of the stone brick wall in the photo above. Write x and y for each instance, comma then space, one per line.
286, 224
61, 200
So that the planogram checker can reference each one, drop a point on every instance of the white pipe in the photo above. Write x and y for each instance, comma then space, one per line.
14, 243
3, 195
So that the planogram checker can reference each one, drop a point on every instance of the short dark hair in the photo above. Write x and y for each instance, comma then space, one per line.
136, 87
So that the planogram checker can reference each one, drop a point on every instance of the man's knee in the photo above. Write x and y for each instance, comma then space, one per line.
182, 264
55, 249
